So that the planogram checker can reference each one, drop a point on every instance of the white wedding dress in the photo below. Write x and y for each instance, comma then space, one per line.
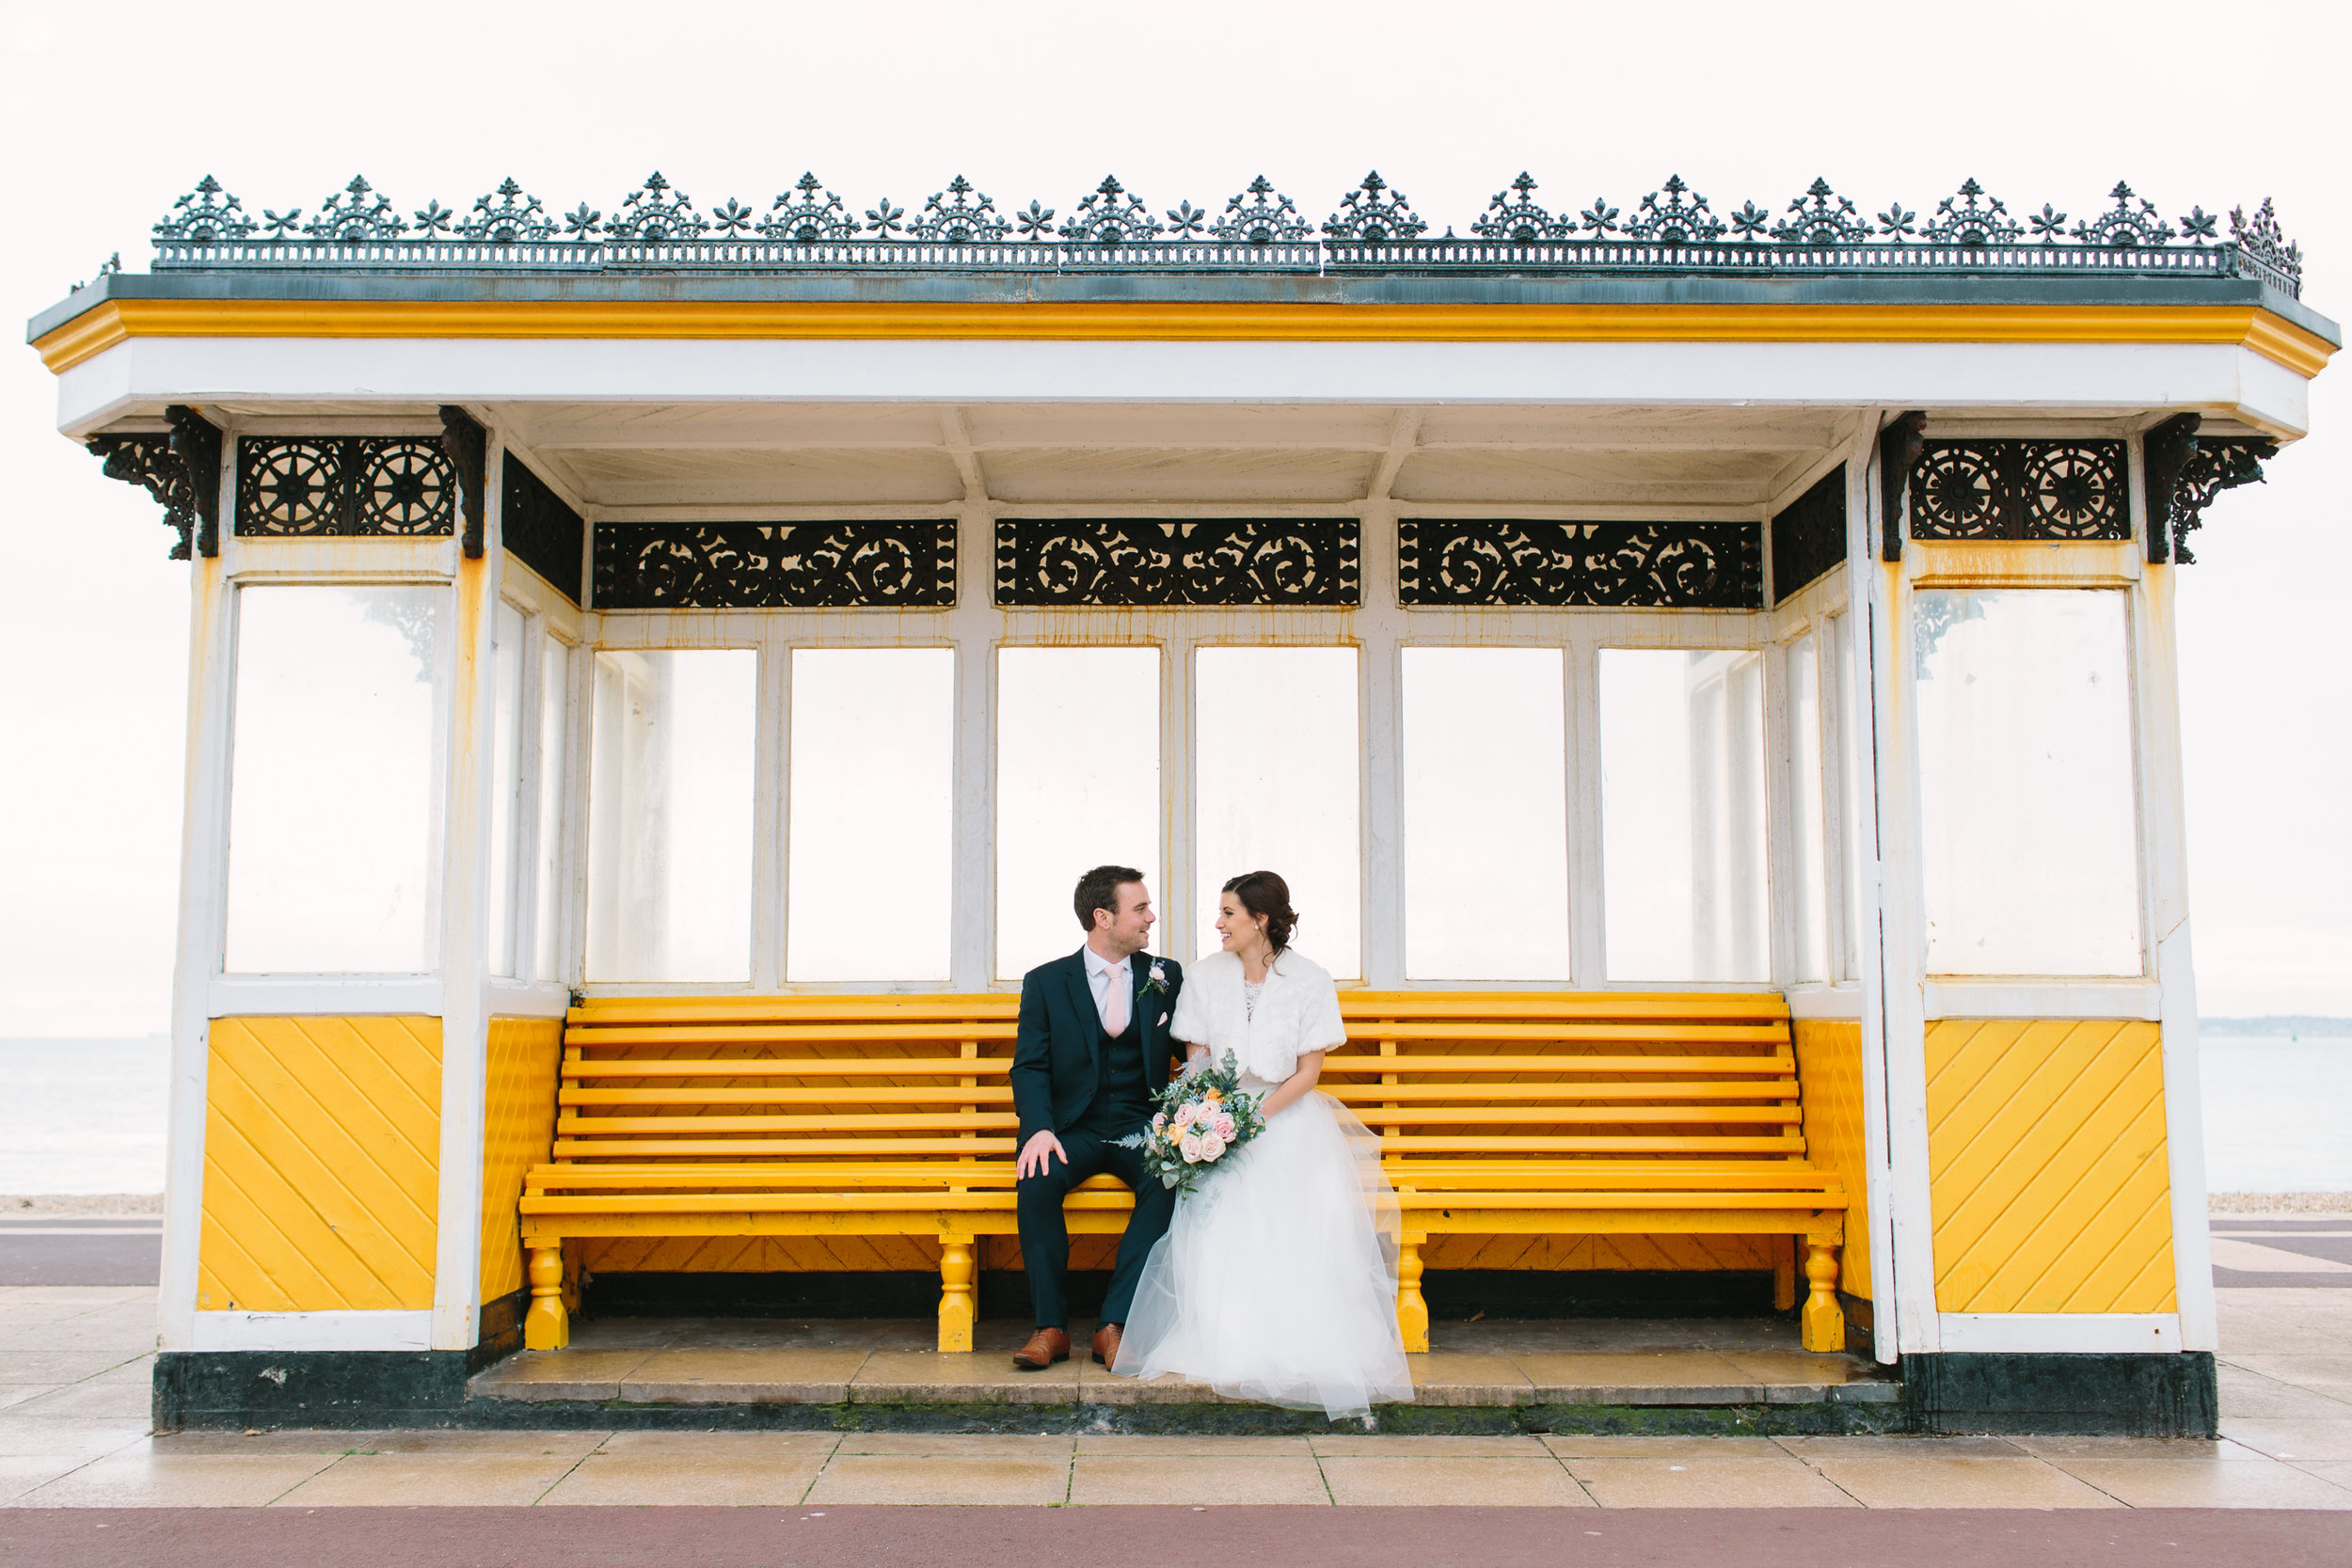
1276, 1280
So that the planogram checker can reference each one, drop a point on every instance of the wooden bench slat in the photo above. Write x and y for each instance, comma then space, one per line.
1568, 1006
876, 1094
700, 1148
1543, 1094
1350, 1062
788, 1033
811, 1067
1659, 1033
917, 1121
1574, 1116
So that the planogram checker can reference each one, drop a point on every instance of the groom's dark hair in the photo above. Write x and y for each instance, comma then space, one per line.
1099, 890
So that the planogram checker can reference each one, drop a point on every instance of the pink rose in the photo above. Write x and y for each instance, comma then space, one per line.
1225, 1127
1210, 1146
1189, 1146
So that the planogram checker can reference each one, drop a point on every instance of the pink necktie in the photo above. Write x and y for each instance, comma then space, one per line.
1115, 1002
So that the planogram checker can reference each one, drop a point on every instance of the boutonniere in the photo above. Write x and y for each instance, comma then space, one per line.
1156, 980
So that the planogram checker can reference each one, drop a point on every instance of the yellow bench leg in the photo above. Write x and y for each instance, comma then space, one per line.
546, 1324
1412, 1311
1823, 1321
957, 1309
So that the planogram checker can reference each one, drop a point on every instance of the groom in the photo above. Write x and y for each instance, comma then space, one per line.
1092, 1050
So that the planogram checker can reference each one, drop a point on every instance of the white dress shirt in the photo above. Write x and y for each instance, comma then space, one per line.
1099, 973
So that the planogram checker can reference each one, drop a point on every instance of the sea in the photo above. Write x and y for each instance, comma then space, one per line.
87, 1115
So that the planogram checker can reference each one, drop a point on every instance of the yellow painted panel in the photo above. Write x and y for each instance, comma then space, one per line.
517, 1132
322, 1164
2047, 1167
1829, 1069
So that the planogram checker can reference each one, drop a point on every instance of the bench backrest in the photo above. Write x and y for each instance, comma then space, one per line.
1444, 1077
1589, 1075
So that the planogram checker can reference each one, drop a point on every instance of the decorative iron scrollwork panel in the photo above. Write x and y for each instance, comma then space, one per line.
2038, 490
384, 486
181, 468
543, 532
821, 565
2217, 464
1444, 562
148, 462
1809, 534
1138, 561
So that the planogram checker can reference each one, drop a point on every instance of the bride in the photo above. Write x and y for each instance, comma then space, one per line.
1276, 1280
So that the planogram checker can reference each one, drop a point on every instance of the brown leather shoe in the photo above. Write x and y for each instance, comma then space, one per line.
1045, 1347
1107, 1342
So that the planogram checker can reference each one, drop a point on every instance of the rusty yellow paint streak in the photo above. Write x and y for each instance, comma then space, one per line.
2076, 564
2047, 1173
517, 1132
1828, 1065
322, 1164
104, 326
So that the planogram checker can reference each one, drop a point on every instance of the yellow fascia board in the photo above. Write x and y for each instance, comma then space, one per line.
2271, 336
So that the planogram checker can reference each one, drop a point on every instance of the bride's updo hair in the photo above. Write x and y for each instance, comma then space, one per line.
1264, 892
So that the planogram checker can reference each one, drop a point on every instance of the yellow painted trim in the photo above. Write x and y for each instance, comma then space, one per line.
2026, 563
115, 321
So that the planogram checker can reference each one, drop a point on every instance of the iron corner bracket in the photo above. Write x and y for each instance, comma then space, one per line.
469, 447
1901, 445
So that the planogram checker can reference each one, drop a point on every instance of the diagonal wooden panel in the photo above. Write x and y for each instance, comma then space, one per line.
517, 1132
2048, 1165
322, 1155
1828, 1065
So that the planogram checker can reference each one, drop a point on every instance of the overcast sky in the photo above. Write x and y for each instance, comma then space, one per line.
2040, 102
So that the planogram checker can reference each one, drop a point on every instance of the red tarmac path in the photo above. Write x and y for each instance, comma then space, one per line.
1112, 1537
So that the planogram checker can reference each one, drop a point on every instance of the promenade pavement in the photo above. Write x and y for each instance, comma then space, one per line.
75, 1364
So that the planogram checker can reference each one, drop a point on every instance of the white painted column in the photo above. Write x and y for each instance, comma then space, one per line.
465, 906
1894, 997
2165, 850
975, 625
1381, 626
203, 883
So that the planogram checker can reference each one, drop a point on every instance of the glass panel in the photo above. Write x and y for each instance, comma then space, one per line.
670, 816
1682, 814
1275, 780
554, 700
1485, 815
335, 805
2026, 782
1077, 786
872, 802
506, 732
1809, 902
1850, 712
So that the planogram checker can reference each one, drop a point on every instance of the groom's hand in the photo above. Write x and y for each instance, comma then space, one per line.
1034, 1154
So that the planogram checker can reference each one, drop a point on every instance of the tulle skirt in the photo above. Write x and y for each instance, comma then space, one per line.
1276, 1280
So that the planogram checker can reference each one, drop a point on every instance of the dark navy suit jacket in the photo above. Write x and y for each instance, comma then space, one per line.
1055, 1069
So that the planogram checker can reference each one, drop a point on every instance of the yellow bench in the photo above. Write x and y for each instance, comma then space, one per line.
1568, 1112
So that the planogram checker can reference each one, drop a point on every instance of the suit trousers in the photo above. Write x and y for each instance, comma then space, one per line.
1046, 1236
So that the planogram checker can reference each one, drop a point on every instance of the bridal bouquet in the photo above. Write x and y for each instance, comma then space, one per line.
1203, 1116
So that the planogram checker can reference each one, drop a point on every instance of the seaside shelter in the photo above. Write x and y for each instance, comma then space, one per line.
1708, 674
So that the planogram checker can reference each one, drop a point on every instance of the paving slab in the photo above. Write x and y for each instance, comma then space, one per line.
1706, 1480
444, 1478
1423, 1481
928, 1377
575, 1373
1199, 1480
935, 1481
641, 1479
1651, 1377
763, 1375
